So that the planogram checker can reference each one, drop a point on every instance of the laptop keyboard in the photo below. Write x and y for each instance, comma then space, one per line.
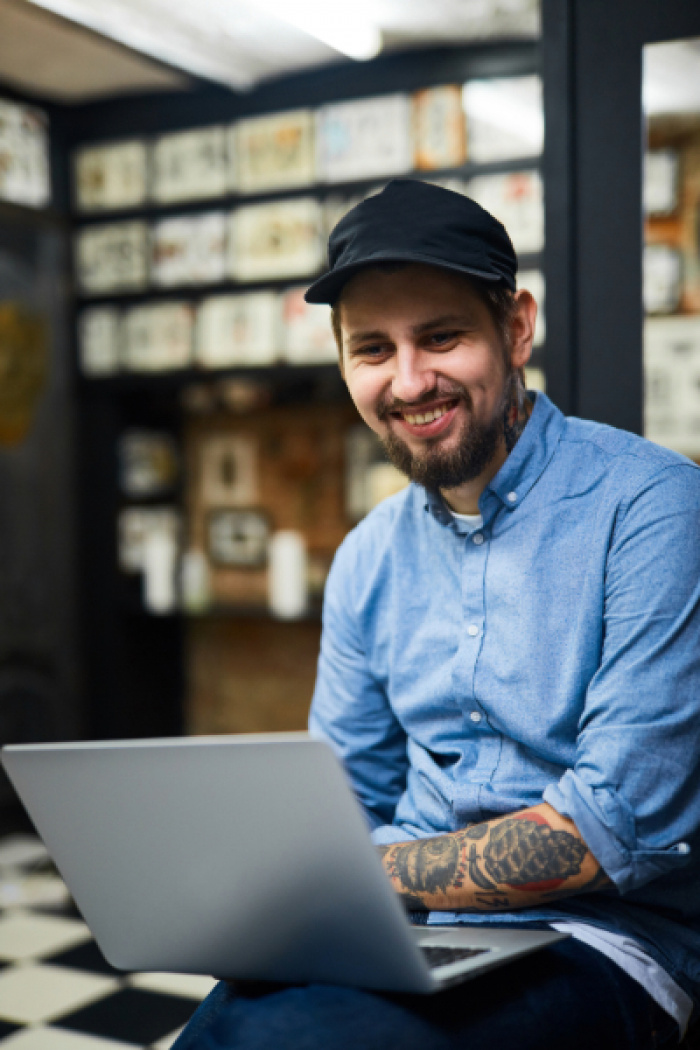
437, 956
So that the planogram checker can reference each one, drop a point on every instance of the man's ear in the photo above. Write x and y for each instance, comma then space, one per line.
522, 328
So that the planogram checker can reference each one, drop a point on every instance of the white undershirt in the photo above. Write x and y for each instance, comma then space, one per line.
474, 521
622, 950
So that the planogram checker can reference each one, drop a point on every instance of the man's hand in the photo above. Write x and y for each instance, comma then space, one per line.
528, 858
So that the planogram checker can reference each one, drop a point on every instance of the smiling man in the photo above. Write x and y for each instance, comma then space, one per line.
510, 664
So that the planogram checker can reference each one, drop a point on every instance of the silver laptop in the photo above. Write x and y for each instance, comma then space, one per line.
242, 856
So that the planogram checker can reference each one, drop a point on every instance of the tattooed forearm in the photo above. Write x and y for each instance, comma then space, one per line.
510, 862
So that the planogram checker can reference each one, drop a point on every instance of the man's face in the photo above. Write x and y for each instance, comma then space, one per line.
427, 370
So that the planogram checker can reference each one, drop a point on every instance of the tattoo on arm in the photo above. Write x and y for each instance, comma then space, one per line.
520, 853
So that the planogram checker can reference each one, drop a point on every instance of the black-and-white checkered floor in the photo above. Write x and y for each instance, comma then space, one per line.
57, 992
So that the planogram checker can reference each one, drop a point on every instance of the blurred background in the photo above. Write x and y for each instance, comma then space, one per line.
179, 459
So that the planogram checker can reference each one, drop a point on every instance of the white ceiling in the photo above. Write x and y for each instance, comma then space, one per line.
44, 56
233, 42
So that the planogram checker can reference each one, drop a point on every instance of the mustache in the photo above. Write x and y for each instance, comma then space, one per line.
455, 391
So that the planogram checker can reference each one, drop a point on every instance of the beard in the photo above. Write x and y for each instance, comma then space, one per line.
437, 468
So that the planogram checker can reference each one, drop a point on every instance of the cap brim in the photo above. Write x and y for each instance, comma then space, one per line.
327, 288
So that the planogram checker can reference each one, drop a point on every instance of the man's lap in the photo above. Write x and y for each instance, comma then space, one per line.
568, 997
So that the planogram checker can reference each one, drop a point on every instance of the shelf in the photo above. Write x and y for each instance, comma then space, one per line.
152, 211
526, 261
281, 374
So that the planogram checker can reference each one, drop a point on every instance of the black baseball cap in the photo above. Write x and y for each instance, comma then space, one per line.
414, 221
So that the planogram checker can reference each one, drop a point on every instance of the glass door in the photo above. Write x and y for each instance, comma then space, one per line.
671, 254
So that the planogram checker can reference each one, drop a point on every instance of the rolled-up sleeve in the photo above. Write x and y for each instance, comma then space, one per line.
350, 708
634, 791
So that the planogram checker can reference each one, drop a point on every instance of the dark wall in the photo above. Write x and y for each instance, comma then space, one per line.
40, 695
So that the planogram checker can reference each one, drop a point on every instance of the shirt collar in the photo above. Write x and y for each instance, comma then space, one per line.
523, 467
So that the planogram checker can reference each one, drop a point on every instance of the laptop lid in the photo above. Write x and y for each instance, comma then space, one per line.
242, 856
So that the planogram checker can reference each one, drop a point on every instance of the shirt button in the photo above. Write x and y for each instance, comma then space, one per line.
475, 716
683, 847
512, 497
477, 538
473, 630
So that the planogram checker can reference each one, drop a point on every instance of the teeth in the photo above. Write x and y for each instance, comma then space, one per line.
425, 417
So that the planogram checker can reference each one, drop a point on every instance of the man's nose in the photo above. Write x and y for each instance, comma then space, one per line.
413, 375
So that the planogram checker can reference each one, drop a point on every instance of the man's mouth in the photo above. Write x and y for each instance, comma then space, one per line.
428, 420
426, 417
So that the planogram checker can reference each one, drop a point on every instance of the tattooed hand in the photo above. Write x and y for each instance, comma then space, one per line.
523, 859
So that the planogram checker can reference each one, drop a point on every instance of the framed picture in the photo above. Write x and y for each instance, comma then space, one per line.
99, 341
149, 463
307, 337
157, 337
662, 282
661, 182
189, 250
237, 330
276, 240
229, 470
274, 152
110, 177
135, 524
190, 165
439, 132
24, 155
238, 538
516, 200
112, 258
364, 139
505, 118
672, 383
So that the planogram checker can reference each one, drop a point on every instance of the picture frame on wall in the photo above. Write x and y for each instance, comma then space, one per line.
276, 240
111, 177
190, 165
364, 139
112, 257
25, 175
158, 337
517, 200
439, 128
661, 182
237, 330
504, 118
189, 249
99, 341
149, 463
135, 524
671, 382
229, 470
662, 278
307, 337
273, 152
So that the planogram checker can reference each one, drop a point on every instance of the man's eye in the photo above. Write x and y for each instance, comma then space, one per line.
372, 351
442, 338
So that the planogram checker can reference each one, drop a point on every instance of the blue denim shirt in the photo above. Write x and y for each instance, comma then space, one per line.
553, 654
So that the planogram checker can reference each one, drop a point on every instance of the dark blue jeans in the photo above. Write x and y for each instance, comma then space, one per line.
566, 997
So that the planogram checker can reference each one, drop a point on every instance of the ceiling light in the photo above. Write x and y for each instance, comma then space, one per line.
350, 31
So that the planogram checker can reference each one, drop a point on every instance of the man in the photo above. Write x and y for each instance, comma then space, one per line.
509, 667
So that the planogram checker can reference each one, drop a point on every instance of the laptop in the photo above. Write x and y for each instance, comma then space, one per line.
245, 857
